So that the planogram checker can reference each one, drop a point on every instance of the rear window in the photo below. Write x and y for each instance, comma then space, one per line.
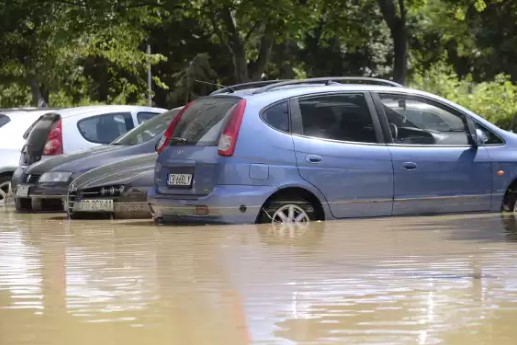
148, 130
4, 119
145, 116
201, 124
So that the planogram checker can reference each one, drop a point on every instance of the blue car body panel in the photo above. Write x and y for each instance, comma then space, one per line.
348, 179
442, 179
357, 180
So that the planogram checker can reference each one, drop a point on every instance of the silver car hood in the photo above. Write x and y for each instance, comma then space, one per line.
130, 170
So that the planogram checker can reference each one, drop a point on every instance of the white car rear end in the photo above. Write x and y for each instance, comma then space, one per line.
74, 129
13, 125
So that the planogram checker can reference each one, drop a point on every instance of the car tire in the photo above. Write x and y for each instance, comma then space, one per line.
288, 209
5, 188
510, 202
22, 205
18, 204
36, 205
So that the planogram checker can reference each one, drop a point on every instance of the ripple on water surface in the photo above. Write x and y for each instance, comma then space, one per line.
426, 280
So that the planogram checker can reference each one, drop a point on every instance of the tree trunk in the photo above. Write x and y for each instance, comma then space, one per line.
40, 95
266, 44
400, 51
394, 13
236, 47
228, 32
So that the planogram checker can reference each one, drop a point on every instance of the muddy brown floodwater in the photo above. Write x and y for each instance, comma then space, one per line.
426, 280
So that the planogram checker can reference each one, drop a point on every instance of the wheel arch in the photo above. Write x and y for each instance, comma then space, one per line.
6, 173
317, 200
512, 187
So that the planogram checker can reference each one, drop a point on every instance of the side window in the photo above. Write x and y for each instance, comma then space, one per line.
103, 129
4, 119
277, 116
343, 117
421, 122
144, 116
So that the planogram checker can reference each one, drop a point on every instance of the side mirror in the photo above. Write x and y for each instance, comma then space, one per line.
472, 132
481, 137
158, 143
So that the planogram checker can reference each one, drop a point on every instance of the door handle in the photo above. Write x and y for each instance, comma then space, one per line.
313, 159
409, 165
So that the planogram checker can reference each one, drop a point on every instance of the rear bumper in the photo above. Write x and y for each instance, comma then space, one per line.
226, 204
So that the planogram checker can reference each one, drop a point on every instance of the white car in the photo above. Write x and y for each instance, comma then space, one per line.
13, 125
75, 129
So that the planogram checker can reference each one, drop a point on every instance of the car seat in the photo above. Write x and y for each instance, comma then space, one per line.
357, 125
320, 123
107, 130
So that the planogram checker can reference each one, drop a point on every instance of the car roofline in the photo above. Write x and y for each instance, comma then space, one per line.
92, 110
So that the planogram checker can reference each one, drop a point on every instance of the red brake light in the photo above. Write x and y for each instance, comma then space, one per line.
228, 139
167, 135
54, 144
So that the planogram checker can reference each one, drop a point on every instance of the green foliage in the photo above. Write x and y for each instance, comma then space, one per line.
94, 51
192, 81
50, 44
496, 100
15, 95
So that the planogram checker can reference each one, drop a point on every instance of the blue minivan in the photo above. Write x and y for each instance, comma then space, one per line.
329, 148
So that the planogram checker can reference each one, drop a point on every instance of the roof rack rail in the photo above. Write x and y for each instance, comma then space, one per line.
329, 81
241, 86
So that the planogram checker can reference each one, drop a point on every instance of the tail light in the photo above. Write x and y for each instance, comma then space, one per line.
54, 144
167, 135
228, 139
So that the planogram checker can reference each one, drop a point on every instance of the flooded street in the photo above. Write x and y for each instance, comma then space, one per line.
425, 280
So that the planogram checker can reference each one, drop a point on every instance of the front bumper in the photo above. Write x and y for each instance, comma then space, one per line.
225, 204
42, 197
48, 191
132, 204
17, 176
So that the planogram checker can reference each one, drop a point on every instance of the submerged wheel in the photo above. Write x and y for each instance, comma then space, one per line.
290, 210
5, 189
510, 202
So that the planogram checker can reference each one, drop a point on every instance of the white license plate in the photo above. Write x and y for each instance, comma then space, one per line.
91, 205
22, 191
179, 179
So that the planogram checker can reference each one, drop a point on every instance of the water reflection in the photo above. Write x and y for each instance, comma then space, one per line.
425, 280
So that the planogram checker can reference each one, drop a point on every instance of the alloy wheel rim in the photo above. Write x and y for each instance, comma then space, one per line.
290, 214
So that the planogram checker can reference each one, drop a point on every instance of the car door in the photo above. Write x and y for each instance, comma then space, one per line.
340, 150
436, 168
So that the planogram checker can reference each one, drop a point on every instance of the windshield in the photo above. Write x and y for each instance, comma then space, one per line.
147, 130
201, 124
4, 119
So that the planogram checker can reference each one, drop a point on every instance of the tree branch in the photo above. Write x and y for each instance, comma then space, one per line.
252, 30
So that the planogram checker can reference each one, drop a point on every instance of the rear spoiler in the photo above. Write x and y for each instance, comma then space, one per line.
28, 131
